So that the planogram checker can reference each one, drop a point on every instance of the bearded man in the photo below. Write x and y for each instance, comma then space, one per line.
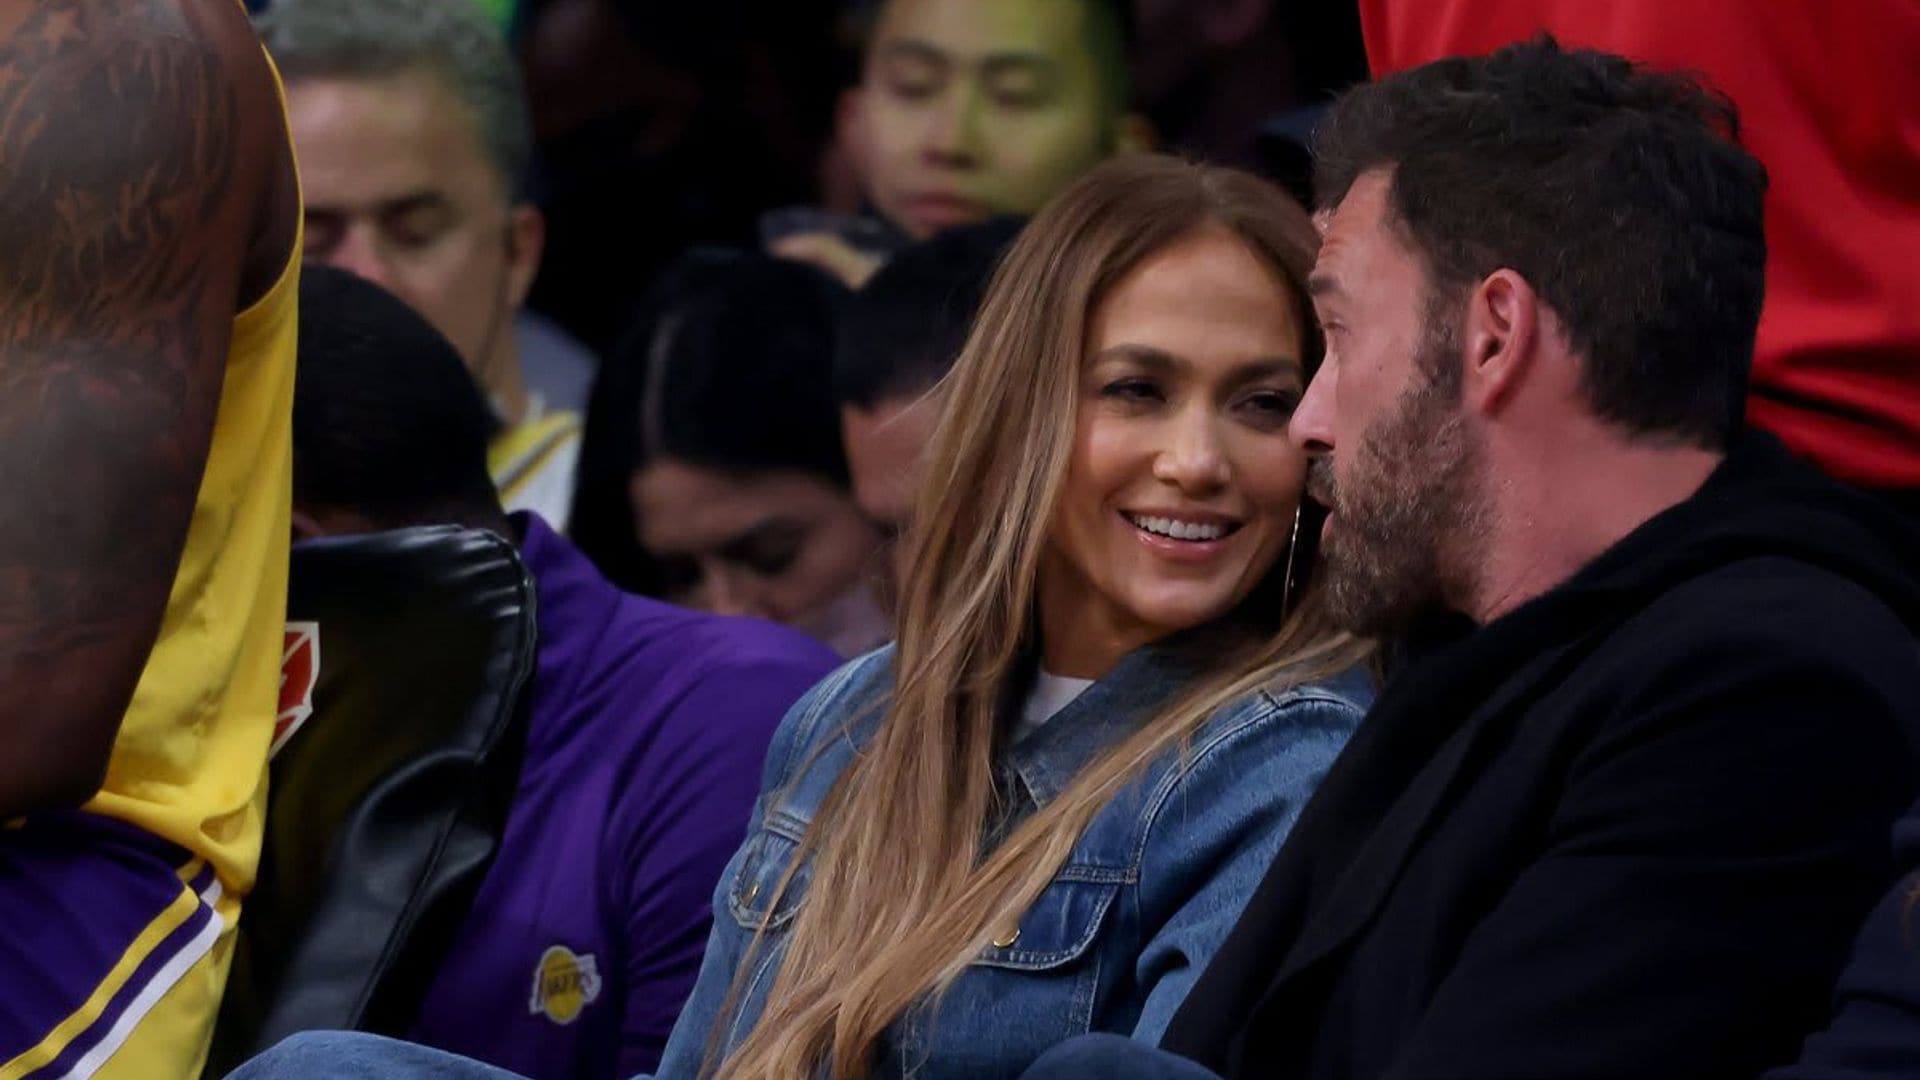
1625, 795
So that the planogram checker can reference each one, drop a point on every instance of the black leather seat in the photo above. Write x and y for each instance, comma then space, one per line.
386, 804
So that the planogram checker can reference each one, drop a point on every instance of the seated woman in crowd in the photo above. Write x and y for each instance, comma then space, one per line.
740, 488
1039, 813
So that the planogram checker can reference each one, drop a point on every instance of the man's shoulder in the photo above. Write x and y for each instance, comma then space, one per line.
1767, 643
1775, 606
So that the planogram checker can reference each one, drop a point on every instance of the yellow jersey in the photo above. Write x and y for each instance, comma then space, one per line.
190, 762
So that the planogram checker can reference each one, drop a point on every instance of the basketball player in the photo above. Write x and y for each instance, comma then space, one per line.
149, 225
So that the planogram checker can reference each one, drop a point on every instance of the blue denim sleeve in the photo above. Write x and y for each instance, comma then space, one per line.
727, 943
1215, 829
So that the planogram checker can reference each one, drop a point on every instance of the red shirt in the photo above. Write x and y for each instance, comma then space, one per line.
1829, 98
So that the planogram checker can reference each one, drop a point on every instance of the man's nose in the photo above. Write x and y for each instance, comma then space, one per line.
1311, 428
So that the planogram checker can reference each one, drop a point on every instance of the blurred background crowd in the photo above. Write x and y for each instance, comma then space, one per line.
647, 228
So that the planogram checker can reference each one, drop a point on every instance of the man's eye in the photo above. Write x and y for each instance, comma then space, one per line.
417, 227
913, 89
322, 236
1020, 94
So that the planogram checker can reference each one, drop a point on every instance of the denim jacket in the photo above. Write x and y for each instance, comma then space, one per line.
1117, 939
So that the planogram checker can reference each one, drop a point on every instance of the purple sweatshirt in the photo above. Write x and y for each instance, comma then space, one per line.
647, 731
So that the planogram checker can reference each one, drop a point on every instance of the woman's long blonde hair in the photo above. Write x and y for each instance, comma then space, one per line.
902, 897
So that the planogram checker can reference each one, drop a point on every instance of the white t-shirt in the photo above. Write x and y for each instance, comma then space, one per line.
1050, 694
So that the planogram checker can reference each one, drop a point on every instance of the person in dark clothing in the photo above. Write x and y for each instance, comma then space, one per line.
1875, 1030
1625, 795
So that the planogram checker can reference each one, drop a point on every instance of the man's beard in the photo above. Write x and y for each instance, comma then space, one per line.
1409, 510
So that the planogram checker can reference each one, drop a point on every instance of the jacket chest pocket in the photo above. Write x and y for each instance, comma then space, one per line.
1036, 985
1061, 926
750, 897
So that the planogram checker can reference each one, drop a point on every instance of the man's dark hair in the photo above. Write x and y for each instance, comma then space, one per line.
904, 329
387, 421
1621, 194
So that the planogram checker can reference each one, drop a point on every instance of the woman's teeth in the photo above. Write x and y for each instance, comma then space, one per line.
1178, 530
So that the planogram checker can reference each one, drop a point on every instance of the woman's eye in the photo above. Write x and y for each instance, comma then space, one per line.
1131, 390
1277, 402
772, 556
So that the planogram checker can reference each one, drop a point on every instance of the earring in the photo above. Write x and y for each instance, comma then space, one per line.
1286, 586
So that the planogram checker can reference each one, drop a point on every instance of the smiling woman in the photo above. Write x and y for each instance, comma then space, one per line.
1095, 627
1182, 490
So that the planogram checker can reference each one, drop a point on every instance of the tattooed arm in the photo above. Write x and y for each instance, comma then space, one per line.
145, 197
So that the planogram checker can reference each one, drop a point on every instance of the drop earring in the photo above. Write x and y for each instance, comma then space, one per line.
1293, 550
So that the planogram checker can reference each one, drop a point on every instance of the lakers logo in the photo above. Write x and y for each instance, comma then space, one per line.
563, 985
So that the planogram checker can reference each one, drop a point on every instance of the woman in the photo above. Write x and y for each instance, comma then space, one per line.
1039, 814
739, 490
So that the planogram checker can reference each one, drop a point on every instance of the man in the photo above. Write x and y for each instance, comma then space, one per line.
1830, 95
899, 336
971, 108
414, 142
1626, 793
148, 237
647, 724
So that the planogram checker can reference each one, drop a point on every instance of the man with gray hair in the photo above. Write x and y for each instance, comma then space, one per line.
413, 136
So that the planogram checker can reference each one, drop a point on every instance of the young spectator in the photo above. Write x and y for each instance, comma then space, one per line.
1114, 691
647, 724
899, 336
1830, 99
413, 141
971, 108
149, 225
1623, 803
739, 484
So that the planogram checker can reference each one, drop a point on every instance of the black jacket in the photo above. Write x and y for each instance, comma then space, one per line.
1624, 831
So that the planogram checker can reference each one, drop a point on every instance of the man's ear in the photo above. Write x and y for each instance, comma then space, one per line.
1500, 339
526, 243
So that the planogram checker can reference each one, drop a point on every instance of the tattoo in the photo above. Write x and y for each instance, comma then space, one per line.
118, 162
